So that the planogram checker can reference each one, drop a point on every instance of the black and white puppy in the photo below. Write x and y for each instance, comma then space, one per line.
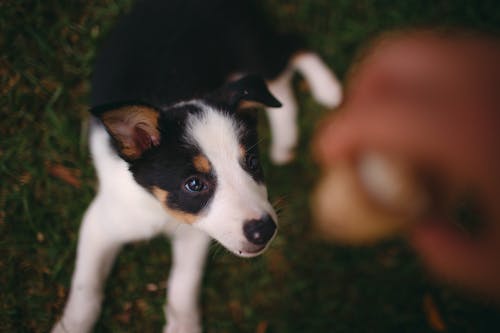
175, 153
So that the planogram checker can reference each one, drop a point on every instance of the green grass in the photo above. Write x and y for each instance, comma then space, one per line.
299, 285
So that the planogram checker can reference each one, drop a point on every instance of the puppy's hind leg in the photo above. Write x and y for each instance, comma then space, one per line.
283, 121
325, 88
96, 252
324, 85
189, 249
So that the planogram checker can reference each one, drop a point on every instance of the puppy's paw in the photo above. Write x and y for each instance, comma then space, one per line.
328, 92
324, 85
281, 156
63, 326
182, 327
186, 320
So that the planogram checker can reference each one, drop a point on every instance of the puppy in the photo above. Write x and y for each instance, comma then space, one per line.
174, 152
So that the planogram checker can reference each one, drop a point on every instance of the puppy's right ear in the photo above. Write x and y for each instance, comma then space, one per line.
134, 128
251, 90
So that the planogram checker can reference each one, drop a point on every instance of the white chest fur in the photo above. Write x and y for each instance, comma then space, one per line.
133, 212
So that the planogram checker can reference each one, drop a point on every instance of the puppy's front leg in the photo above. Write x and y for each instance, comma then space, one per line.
96, 252
189, 249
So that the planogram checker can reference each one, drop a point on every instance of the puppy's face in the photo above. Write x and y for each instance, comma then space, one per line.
200, 160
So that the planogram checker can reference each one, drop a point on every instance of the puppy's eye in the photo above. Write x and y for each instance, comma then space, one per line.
252, 162
195, 184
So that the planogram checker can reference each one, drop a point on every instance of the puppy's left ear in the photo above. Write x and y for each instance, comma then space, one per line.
246, 91
134, 128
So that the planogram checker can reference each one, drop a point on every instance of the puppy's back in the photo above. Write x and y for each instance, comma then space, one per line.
166, 51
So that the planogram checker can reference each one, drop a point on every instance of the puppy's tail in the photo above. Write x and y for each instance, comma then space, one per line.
324, 85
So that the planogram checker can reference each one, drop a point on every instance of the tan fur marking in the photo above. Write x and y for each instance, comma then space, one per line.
202, 164
249, 105
243, 151
162, 195
297, 55
122, 122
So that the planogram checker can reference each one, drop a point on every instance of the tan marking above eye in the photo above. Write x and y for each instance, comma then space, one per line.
202, 164
243, 151
179, 215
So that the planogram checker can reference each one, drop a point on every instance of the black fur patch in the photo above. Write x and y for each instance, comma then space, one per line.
163, 52
249, 141
169, 165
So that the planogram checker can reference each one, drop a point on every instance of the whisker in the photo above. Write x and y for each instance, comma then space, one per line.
280, 204
256, 144
215, 249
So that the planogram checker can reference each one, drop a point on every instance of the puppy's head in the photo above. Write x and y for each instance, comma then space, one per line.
200, 160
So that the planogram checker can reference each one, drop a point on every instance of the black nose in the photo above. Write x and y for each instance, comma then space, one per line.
259, 232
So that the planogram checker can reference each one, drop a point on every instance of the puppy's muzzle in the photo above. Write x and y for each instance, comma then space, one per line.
260, 232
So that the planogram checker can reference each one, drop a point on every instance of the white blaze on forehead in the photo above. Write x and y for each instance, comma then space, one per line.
216, 134
238, 198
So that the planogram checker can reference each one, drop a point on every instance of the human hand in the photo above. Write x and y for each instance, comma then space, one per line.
433, 100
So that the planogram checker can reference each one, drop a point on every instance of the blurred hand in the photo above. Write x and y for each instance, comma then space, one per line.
433, 98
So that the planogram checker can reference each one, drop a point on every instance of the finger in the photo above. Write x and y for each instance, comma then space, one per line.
457, 258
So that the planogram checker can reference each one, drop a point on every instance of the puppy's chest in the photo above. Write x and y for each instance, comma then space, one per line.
139, 212
143, 215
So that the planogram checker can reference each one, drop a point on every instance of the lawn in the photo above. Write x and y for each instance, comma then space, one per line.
300, 285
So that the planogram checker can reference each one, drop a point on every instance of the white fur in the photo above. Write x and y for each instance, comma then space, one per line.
283, 121
324, 85
238, 197
325, 88
123, 211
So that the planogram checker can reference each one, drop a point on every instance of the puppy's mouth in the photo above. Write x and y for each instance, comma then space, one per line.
249, 250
